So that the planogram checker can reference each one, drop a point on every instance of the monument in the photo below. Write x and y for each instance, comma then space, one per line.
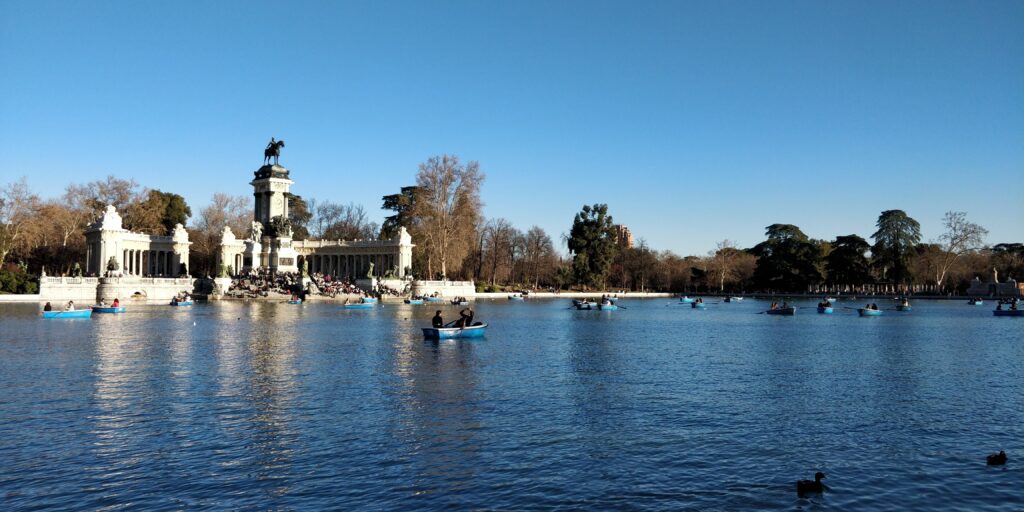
269, 244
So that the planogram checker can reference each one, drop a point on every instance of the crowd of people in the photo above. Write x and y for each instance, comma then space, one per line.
264, 283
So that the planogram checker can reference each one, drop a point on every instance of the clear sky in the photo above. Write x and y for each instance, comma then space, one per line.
694, 121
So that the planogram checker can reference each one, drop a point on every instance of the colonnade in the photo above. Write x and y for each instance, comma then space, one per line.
351, 265
150, 263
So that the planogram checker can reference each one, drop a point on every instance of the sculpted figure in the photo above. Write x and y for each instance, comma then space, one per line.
256, 231
273, 151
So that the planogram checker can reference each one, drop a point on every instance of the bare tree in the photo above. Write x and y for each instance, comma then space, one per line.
448, 203
539, 256
961, 236
223, 210
17, 207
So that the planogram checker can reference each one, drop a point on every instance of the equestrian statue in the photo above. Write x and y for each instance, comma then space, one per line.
273, 151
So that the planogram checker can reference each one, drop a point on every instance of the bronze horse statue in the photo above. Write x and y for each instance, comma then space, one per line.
273, 150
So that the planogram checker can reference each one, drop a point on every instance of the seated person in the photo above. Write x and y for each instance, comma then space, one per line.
116, 303
437, 322
47, 307
465, 318
70, 306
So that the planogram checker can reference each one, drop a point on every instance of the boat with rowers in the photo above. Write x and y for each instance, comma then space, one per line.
76, 313
784, 310
869, 310
476, 330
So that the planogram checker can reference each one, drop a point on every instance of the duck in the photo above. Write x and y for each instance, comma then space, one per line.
811, 486
996, 459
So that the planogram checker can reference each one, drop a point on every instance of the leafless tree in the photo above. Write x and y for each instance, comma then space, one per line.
17, 209
448, 205
961, 236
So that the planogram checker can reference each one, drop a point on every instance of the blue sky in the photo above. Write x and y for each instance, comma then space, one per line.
694, 121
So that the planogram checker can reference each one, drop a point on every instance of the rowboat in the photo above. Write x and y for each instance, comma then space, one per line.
975, 302
1008, 312
904, 307
869, 312
824, 310
460, 303
697, 305
583, 305
435, 299
414, 302
78, 313
369, 300
358, 305
181, 303
108, 309
296, 301
607, 307
734, 299
515, 297
790, 311
444, 333
686, 300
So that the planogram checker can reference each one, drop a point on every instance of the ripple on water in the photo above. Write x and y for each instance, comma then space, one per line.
261, 406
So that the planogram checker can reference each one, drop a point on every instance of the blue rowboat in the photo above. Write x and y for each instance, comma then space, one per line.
181, 303
78, 313
108, 309
790, 311
734, 299
973, 302
460, 303
358, 305
825, 310
697, 305
444, 333
686, 300
584, 305
515, 297
1008, 312
296, 301
901, 307
435, 299
414, 302
869, 312
607, 307
369, 300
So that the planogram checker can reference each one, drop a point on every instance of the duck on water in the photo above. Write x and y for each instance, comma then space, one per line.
811, 486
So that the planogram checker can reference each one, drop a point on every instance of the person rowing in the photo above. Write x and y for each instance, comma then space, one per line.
437, 322
465, 318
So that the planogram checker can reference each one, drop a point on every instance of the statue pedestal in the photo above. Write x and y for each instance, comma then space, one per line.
283, 257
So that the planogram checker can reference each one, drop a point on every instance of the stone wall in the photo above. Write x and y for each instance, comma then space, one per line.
444, 288
91, 289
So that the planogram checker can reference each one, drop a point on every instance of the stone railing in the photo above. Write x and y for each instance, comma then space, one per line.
70, 280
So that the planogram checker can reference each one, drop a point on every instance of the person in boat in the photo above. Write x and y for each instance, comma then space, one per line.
116, 303
103, 303
999, 307
47, 307
785, 305
465, 318
70, 306
437, 322
775, 305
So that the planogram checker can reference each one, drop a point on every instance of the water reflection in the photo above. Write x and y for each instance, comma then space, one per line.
436, 415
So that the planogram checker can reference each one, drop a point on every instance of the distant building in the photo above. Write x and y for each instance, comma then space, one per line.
624, 236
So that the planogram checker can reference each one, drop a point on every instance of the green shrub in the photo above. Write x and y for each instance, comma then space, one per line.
18, 282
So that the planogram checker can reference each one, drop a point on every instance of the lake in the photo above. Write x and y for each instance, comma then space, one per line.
271, 406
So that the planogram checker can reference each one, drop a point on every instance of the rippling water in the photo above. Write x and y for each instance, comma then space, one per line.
270, 406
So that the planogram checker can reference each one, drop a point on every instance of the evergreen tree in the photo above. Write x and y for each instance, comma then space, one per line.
787, 260
895, 241
593, 244
848, 264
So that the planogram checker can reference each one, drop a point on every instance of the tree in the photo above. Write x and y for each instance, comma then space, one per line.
728, 264
960, 237
499, 238
539, 256
787, 260
299, 215
404, 206
448, 207
593, 245
895, 242
17, 207
848, 264
223, 210
333, 221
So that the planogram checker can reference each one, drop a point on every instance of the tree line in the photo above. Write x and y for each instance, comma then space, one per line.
443, 212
